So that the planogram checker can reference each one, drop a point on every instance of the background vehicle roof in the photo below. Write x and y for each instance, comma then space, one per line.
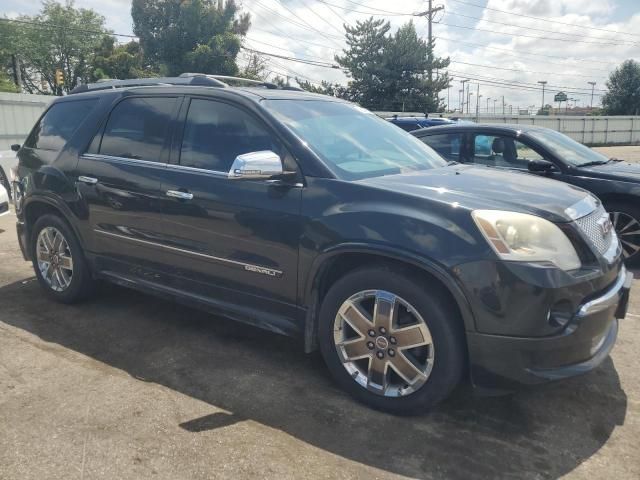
471, 127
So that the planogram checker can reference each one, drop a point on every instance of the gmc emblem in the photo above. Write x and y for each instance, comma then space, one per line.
605, 226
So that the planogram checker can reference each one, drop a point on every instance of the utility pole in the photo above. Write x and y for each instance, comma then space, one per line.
593, 87
543, 83
503, 105
463, 95
448, 98
460, 100
478, 97
495, 100
429, 14
488, 98
469, 93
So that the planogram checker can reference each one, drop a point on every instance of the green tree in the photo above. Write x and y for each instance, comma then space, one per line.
407, 61
119, 61
190, 35
623, 95
60, 37
364, 60
390, 72
325, 88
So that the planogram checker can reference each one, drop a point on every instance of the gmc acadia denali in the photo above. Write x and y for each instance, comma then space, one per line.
310, 216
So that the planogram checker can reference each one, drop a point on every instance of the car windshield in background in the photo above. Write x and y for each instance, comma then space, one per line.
354, 142
567, 149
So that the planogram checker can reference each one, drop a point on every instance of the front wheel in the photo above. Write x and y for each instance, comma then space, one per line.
390, 340
626, 222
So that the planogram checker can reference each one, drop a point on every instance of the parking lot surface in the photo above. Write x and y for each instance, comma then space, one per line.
628, 153
131, 386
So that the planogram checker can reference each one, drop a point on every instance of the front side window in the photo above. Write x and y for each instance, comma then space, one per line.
57, 126
446, 144
353, 142
216, 133
566, 149
503, 151
138, 128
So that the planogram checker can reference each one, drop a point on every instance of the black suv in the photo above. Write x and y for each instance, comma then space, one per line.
312, 217
549, 153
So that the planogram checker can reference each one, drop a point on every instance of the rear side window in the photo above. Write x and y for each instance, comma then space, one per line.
216, 133
447, 145
57, 126
138, 128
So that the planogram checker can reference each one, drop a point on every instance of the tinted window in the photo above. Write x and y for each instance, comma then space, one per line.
216, 133
59, 123
408, 127
499, 151
352, 141
138, 128
447, 145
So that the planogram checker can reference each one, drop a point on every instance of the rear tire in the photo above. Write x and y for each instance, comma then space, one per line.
58, 261
626, 221
370, 361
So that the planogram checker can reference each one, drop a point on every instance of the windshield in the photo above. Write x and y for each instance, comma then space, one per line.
567, 149
353, 142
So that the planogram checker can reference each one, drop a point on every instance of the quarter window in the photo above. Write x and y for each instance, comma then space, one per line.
216, 133
60, 122
138, 128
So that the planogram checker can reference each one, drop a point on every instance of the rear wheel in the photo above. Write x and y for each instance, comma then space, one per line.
626, 222
391, 341
58, 260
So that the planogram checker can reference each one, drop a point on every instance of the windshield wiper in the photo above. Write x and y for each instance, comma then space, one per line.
451, 162
591, 164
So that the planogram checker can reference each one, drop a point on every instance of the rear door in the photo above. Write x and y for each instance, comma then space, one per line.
235, 240
120, 178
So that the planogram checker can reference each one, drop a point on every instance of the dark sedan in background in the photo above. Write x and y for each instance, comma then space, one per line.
410, 124
548, 153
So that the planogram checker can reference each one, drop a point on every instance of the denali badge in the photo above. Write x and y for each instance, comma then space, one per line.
605, 226
262, 270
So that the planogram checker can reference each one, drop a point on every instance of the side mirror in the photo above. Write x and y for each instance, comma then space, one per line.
15, 147
263, 165
543, 166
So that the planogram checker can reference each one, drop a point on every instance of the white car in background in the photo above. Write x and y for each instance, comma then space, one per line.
4, 201
8, 165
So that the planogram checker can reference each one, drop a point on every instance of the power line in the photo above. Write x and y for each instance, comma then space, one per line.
293, 22
543, 19
526, 36
321, 18
458, 14
385, 13
281, 34
325, 35
523, 53
520, 70
294, 59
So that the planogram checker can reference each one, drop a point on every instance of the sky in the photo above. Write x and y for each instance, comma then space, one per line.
504, 46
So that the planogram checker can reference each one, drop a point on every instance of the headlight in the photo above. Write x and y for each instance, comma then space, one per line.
526, 238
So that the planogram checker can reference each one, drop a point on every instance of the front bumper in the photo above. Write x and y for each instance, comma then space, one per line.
498, 362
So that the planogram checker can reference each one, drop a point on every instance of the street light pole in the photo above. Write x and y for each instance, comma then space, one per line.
593, 87
543, 83
488, 98
495, 100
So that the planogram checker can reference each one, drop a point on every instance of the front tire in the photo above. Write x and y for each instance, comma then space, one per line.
626, 222
391, 340
58, 262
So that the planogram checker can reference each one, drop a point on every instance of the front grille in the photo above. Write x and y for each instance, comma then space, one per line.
592, 226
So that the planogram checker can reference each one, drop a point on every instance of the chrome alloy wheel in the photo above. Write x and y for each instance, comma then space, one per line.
54, 259
628, 230
383, 343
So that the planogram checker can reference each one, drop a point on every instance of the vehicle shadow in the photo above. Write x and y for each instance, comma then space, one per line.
536, 433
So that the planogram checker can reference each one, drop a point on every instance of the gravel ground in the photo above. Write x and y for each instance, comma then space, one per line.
129, 386
630, 154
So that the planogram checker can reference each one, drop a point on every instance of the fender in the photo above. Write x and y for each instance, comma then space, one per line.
320, 263
53, 201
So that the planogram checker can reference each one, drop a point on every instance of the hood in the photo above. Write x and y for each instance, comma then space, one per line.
487, 188
628, 172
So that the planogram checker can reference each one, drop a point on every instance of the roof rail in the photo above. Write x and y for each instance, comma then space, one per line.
195, 80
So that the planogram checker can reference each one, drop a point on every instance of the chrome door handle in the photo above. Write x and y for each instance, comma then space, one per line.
180, 195
88, 180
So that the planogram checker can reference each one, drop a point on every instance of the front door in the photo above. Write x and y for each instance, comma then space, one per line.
233, 240
119, 179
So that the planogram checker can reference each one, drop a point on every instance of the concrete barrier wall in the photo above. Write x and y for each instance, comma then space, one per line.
18, 113
605, 130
